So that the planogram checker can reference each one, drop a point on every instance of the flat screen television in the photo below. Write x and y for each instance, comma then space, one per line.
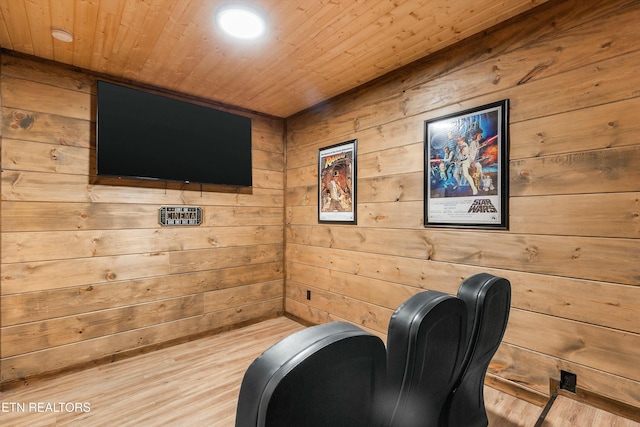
148, 136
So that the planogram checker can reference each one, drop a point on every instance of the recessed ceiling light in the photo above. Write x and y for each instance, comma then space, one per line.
241, 22
62, 35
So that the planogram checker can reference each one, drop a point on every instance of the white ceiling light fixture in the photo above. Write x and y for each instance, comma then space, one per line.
241, 22
62, 35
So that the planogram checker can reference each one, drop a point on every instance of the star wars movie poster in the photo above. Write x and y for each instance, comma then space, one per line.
466, 168
336, 183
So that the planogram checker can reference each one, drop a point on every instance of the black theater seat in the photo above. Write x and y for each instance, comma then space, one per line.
324, 376
488, 301
425, 348
432, 374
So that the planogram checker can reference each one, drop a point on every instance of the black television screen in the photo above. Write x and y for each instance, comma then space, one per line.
149, 136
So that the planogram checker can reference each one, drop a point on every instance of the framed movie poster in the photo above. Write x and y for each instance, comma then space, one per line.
466, 168
337, 183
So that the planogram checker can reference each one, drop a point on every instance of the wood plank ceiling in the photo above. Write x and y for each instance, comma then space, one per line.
314, 49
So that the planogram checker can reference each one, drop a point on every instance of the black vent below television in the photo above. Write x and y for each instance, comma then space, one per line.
149, 136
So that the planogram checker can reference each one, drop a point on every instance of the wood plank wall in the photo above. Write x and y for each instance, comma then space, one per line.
87, 272
572, 253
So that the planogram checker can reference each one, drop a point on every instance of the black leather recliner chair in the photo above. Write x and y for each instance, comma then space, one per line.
488, 301
425, 346
326, 375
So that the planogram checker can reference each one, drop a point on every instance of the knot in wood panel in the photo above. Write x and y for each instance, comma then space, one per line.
576, 254
21, 120
532, 253
497, 74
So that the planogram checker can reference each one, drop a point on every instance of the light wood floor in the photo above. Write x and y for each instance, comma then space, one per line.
568, 412
197, 384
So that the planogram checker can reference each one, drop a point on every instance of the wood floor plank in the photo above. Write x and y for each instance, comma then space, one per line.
504, 410
197, 384
569, 412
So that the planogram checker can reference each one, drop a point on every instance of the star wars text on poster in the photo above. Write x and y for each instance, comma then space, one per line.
482, 206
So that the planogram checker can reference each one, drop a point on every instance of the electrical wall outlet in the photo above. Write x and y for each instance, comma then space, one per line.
568, 381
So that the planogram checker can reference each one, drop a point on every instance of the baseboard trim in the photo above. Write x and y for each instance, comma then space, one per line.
598, 401
516, 390
300, 320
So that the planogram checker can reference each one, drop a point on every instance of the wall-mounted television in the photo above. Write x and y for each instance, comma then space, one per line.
145, 135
